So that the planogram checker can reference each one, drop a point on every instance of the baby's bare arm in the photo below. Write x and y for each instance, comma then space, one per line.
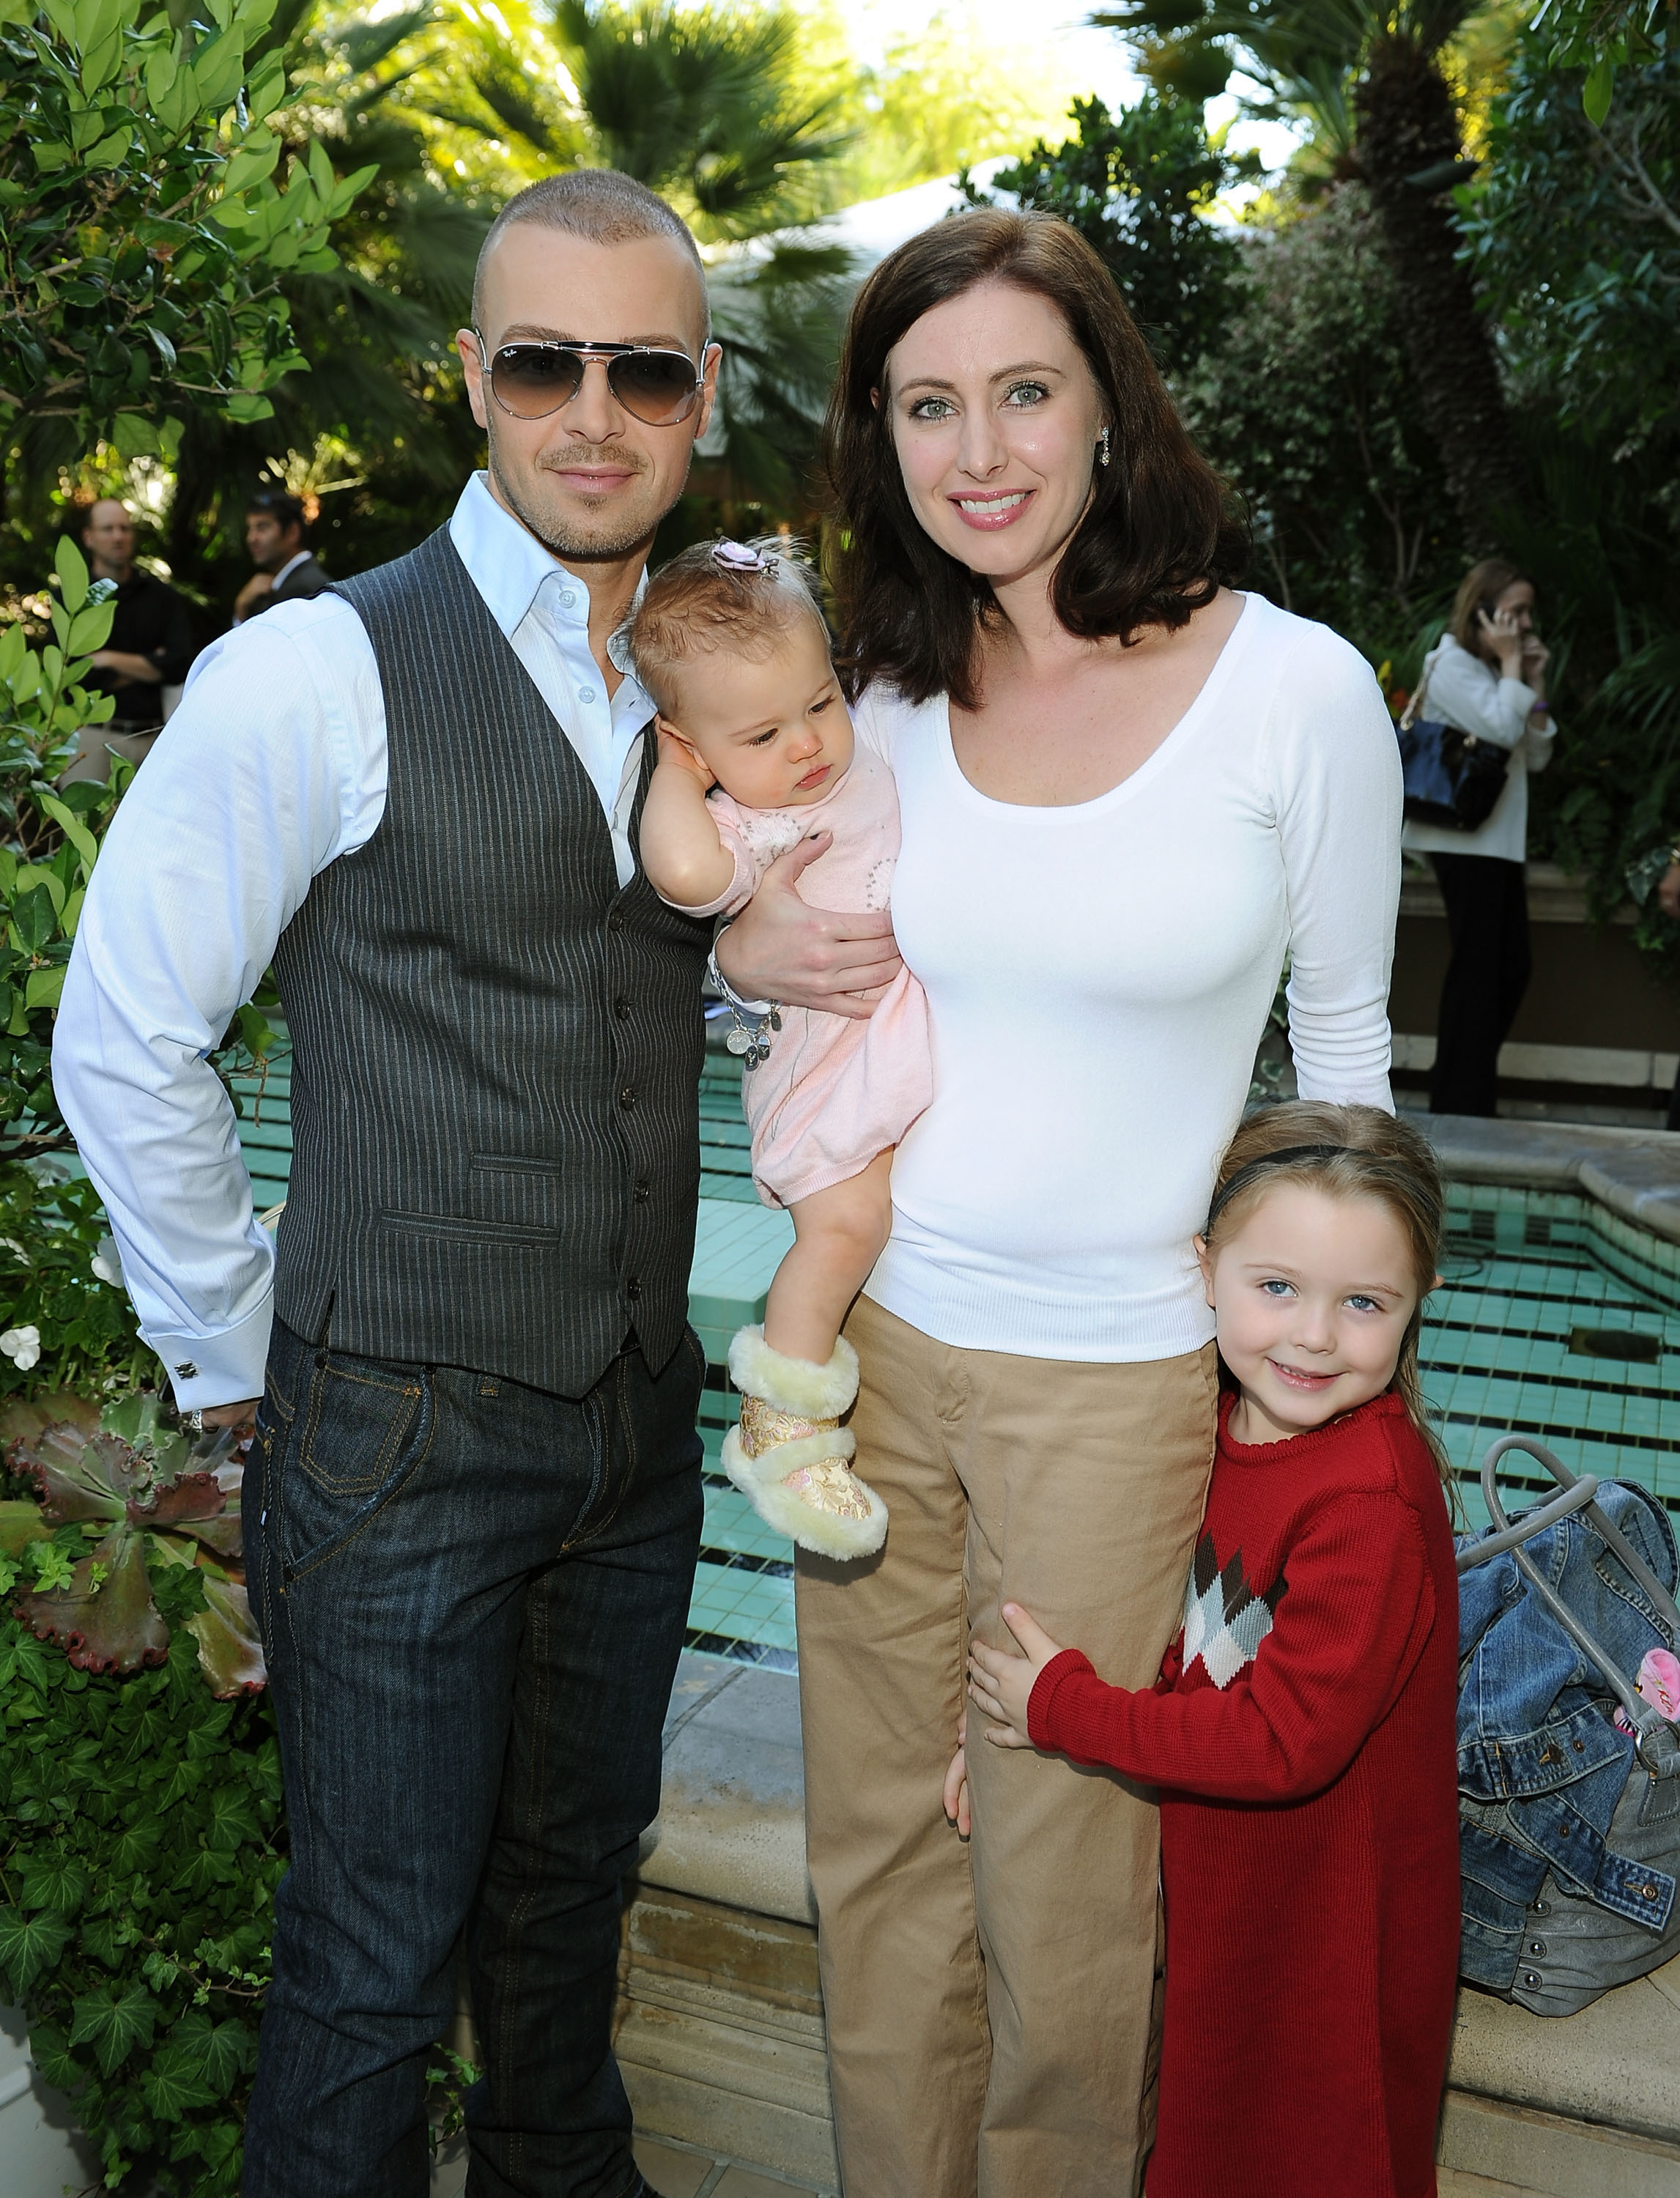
681, 852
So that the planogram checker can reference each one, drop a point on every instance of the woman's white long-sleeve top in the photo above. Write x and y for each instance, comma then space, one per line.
1462, 691
1099, 975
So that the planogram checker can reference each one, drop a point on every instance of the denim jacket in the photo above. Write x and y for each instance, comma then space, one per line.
1541, 1766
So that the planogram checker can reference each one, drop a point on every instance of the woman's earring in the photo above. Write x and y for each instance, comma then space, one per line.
1103, 450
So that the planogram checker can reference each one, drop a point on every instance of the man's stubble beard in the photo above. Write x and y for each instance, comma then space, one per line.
571, 545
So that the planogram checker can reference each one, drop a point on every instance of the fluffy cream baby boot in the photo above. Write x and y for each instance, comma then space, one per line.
788, 1456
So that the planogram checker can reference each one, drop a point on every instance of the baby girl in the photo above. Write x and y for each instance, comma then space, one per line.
756, 752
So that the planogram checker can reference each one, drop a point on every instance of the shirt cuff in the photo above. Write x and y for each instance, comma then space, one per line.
1041, 1702
217, 1369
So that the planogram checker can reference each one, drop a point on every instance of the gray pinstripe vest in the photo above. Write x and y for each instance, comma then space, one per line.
496, 1050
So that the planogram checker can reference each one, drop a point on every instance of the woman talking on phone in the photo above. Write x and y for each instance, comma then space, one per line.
1485, 676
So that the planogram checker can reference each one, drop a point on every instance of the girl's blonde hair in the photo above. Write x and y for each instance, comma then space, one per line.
1347, 1152
711, 597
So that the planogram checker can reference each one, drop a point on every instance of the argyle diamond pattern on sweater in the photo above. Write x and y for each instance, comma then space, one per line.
1225, 1617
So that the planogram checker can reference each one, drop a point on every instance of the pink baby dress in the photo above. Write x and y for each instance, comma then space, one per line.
834, 1092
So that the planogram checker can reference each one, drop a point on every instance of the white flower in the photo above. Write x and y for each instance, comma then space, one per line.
23, 1345
106, 1264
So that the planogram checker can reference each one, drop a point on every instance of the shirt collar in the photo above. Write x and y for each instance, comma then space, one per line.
289, 569
508, 566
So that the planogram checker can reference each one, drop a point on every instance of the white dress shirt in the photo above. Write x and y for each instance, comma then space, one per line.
273, 766
1461, 690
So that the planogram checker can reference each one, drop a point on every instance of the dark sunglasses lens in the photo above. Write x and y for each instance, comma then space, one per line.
533, 379
657, 386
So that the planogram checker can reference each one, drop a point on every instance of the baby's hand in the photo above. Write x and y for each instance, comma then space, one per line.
1001, 1685
956, 1795
678, 754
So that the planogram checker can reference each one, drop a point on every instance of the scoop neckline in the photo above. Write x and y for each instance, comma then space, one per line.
1218, 676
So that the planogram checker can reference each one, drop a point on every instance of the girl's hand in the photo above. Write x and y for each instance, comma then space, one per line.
678, 754
956, 1796
1001, 1685
1502, 637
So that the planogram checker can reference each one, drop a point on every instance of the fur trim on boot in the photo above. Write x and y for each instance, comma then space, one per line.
789, 1454
793, 1385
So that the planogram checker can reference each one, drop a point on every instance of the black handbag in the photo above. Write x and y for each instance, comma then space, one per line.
1450, 778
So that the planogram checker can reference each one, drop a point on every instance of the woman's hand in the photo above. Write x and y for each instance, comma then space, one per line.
1668, 891
1001, 1685
956, 1795
1501, 637
779, 948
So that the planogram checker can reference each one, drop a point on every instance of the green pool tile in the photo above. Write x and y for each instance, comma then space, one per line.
737, 1250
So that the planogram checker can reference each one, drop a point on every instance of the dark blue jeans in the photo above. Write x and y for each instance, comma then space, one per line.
472, 1595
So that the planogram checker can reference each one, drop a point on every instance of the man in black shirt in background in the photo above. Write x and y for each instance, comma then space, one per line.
151, 644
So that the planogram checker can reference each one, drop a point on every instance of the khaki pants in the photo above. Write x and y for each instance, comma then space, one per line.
989, 2005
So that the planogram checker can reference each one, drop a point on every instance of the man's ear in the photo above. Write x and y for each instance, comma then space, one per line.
711, 359
1205, 1261
472, 367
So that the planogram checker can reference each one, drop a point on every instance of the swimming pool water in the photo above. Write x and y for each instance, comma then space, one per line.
1555, 1318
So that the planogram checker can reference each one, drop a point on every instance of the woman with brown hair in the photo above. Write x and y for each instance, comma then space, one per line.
1127, 794
1486, 677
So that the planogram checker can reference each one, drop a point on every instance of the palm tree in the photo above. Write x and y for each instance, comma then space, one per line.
1368, 73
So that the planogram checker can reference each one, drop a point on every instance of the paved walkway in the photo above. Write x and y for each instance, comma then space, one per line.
678, 2171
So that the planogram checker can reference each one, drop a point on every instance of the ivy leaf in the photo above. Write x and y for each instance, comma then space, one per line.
55, 1881
50, 2050
114, 2023
30, 1945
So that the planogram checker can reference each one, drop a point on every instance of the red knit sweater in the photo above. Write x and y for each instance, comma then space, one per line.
1303, 1731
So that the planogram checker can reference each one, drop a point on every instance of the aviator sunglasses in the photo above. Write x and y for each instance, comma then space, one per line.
531, 380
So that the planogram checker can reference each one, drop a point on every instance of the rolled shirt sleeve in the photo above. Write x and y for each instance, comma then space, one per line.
273, 765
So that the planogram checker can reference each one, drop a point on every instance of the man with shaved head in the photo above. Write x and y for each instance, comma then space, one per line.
473, 1505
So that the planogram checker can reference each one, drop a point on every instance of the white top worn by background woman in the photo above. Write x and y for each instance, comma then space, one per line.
1100, 974
1462, 691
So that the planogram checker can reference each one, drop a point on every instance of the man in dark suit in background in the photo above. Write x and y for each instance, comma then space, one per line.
275, 530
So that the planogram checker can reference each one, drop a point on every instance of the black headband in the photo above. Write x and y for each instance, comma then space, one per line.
1254, 1169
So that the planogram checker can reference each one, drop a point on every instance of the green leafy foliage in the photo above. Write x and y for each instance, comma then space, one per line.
1308, 406
1574, 241
1600, 36
140, 1847
145, 227
1139, 186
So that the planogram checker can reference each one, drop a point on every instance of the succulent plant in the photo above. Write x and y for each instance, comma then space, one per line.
143, 1496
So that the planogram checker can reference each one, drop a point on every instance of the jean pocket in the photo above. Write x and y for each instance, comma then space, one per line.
360, 1418
366, 1431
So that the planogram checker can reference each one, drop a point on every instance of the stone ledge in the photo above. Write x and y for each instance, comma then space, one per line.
1634, 1173
731, 1821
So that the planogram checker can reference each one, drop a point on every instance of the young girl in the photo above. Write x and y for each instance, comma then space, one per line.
1303, 1728
756, 752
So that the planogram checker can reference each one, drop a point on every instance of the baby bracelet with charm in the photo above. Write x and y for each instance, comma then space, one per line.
751, 1021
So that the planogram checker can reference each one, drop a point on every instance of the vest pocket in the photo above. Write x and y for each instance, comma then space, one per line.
462, 1228
357, 1423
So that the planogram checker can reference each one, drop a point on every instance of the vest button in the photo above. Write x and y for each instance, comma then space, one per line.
642, 1193
621, 1009
632, 1287
615, 920
627, 1096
